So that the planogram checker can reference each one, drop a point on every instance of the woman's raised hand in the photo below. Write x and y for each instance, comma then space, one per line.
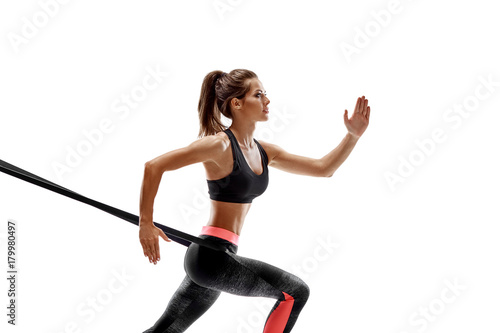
148, 236
358, 122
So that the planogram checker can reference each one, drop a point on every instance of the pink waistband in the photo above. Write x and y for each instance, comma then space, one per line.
221, 233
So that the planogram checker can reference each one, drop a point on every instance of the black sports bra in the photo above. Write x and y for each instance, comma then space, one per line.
242, 185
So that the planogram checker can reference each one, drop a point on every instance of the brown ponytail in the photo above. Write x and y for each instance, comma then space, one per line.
217, 91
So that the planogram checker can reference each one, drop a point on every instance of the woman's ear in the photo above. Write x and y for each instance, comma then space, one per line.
236, 103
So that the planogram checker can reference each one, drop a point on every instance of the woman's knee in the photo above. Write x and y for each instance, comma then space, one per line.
303, 292
300, 291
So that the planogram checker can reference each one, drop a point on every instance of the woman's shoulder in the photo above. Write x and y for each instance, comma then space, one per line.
215, 143
268, 146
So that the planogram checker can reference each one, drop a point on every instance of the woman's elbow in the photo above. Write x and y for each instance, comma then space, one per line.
328, 173
148, 165
325, 171
150, 168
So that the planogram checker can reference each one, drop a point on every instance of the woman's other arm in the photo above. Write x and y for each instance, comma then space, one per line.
328, 164
201, 150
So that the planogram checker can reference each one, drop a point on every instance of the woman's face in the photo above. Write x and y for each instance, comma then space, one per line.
254, 104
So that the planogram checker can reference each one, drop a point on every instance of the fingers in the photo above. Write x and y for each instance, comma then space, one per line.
151, 248
362, 106
358, 102
365, 107
359, 119
157, 251
149, 251
153, 252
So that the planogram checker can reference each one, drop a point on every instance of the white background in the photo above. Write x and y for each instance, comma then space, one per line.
398, 245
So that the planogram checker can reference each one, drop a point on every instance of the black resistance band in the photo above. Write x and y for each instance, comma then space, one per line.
175, 235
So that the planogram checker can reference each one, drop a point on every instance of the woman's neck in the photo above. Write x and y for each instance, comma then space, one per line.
243, 133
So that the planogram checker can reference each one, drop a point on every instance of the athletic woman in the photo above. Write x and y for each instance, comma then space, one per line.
236, 167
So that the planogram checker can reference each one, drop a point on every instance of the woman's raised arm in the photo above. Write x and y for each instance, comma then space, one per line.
328, 164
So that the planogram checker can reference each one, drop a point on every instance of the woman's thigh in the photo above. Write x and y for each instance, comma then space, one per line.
239, 275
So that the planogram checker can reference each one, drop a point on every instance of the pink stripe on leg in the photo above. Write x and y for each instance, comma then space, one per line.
278, 319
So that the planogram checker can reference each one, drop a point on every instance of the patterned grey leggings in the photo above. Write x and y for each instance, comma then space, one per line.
209, 272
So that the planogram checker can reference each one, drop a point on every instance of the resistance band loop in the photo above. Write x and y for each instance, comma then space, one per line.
175, 235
